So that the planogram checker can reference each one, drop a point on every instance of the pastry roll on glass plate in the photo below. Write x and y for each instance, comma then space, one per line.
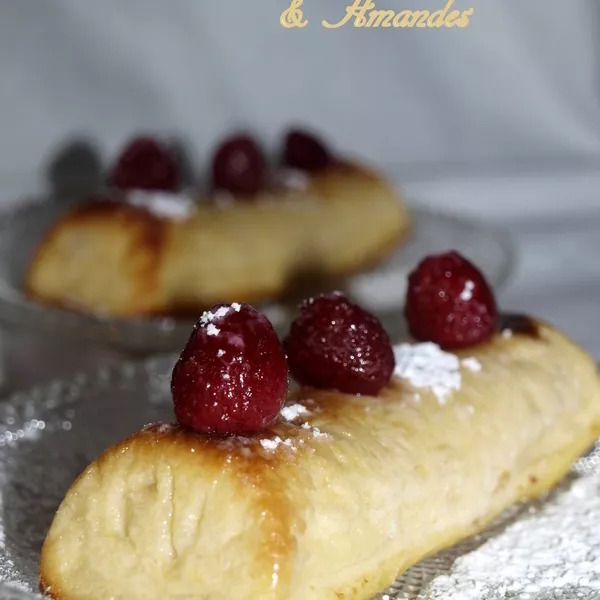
379, 457
258, 237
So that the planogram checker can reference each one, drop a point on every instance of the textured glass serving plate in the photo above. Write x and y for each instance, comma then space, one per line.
546, 550
44, 343
381, 289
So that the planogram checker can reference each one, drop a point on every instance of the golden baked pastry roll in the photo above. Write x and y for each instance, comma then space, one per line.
163, 256
343, 494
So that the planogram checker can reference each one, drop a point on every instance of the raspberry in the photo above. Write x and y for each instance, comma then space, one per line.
239, 166
449, 302
305, 151
145, 164
334, 344
231, 377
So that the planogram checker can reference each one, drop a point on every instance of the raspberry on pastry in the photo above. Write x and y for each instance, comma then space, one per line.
304, 151
231, 377
239, 166
449, 302
145, 164
335, 344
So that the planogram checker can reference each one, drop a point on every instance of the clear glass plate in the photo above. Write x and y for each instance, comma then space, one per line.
381, 290
546, 550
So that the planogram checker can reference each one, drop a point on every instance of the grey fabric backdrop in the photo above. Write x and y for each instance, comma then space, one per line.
517, 90
501, 119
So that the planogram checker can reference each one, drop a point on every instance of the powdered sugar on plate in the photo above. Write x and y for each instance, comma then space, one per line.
29, 430
551, 552
427, 366
176, 207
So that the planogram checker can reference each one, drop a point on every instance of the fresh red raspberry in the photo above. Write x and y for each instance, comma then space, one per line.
145, 164
231, 377
239, 166
335, 344
303, 150
449, 302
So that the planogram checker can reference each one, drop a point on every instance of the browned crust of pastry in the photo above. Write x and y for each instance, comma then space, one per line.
256, 473
149, 232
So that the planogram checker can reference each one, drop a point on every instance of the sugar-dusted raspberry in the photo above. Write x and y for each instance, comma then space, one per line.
231, 377
335, 344
303, 150
239, 166
145, 164
449, 302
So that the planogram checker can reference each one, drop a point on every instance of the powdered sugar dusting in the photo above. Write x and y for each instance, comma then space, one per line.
472, 364
29, 430
212, 330
220, 353
427, 366
306, 431
551, 552
176, 207
209, 316
467, 292
293, 411
206, 317
269, 444
293, 179
317, 433
221, 312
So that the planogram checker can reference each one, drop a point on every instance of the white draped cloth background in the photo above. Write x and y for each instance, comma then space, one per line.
515, 95
500, 120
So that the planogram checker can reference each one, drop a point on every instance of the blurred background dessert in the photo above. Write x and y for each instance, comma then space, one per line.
262, 233
495, 122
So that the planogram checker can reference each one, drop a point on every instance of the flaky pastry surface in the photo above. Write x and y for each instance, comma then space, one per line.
358, 490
